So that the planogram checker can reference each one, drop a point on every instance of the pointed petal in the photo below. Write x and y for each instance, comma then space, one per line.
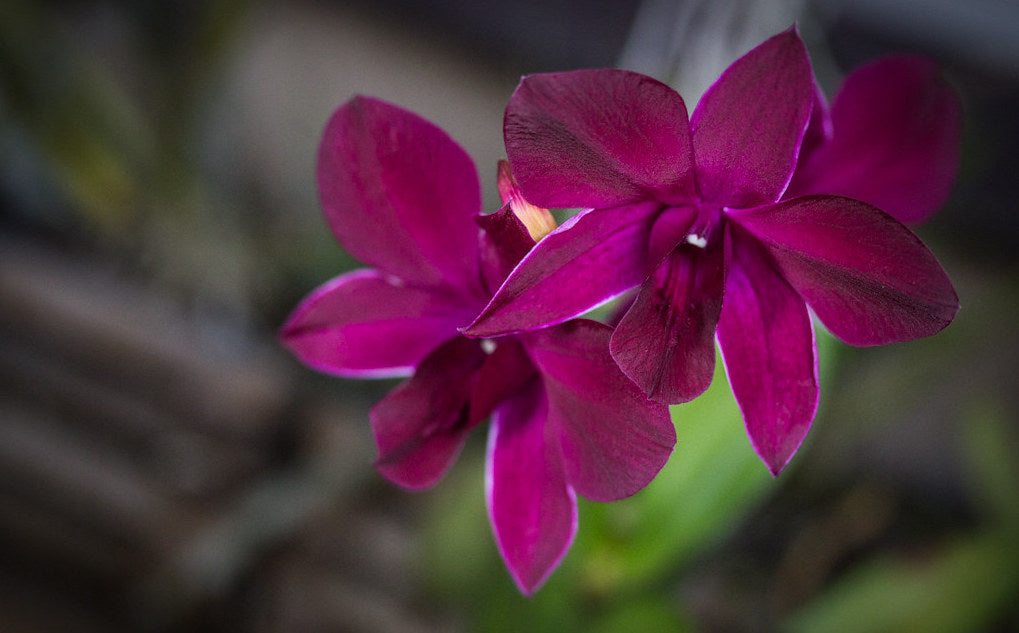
770, 356
867, 277
590, 258
363, 324
896, 140
399, 193
748, 126
598, 138
532, 509
422, 424
504, 242
665, 341
614, 439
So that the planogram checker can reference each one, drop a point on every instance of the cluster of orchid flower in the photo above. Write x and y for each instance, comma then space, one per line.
725, 226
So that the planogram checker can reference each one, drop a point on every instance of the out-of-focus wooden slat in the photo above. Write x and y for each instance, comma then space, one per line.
138, 342
84, 482
32, 536
138, 462
166, 448
303, 597
25, 608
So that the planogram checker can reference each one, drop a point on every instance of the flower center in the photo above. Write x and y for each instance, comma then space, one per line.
705, 225
690, 225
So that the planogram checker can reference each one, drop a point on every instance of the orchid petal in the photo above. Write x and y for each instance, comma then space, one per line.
592, 257
422, 424
363, 324
504, 242
868, 278
614, 439
748, 126
506, 371
598, 138
895, 144
767, 343
665, 341
532, 508
399, 193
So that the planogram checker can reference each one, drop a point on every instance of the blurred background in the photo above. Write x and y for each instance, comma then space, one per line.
165, 466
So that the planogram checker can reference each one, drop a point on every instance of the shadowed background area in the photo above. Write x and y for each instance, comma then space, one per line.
165, 466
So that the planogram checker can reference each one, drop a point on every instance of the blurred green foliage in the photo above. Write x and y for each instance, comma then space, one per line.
112, 140
116, 129
962, 584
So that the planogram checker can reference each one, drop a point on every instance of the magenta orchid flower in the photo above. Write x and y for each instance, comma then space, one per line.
402, 196
692, 213
891, 139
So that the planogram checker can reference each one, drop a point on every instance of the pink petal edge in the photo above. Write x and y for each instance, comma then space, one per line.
532, 509
769, 352
364, 324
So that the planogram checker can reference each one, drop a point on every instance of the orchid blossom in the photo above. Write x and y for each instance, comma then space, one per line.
693, 214
403, 197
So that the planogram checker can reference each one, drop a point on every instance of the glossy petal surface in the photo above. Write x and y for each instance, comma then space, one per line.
867, 277
399, 194
362, 324
592, 257
767, 343
614, 439
421, 425
748, 126
532, 509
598, 138
895, 143
665, 342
